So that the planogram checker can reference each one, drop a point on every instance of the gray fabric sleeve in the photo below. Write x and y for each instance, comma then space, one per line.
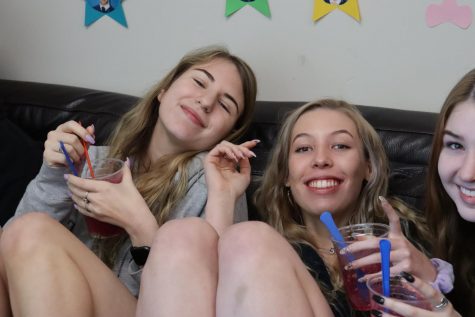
47, 192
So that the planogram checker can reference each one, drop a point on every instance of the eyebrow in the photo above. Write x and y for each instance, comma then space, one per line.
344, 131
208, 74
450, 133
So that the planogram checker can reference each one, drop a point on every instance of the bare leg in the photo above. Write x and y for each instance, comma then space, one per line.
4, 299
51, 273
180, 276
260, 274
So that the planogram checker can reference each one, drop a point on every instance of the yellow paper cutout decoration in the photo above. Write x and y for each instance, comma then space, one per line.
323, 7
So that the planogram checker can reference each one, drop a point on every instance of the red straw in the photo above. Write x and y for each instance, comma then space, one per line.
86, 152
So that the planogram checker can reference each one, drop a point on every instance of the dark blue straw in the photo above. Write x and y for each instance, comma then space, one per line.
68, 159
385, 250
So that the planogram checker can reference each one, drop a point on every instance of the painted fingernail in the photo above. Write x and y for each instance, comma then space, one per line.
256, 141
376, 313
378, 299
362, 279
382, 199
344, 251
90, 139
69, 194
253, 154
66, 176
408, 277
349, 266
76, 206
127, 162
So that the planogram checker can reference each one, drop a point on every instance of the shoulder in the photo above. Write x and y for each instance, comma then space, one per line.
196, 164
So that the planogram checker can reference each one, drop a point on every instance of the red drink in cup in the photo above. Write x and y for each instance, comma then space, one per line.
357, 292
400, 289
109, 170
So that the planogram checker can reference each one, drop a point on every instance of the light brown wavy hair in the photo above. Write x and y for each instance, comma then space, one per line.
132, 135
455, 237
278, 207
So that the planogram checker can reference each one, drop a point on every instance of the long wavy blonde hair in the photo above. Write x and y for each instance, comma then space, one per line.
280, 210
132, 135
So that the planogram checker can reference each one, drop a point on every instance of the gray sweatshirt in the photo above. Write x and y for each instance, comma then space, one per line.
48, 192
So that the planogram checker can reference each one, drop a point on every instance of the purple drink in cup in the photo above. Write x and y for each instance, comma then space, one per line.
109, 170
357, 292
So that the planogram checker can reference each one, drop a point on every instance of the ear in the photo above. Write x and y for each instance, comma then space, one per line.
368, 171
160, 95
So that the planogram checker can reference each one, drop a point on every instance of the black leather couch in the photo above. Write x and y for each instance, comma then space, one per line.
29, 110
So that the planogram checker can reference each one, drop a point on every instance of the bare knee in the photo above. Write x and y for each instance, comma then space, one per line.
25, 234
251, 242
183, 240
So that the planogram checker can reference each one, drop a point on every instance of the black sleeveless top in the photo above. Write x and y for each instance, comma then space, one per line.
316, 267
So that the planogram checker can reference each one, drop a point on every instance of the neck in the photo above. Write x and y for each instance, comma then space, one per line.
161, 144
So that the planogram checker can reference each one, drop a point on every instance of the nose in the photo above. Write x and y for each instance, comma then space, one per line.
322, 159
467, 170
206, 103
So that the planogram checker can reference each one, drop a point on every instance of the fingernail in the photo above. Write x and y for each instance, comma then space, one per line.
92, 126
69, 194
66, 176
362, 279
348, 266
127, 162
378, 299
256, 141
344, 251
376, 313
90, 139
382, 199
76, 206
253, 154
408, 277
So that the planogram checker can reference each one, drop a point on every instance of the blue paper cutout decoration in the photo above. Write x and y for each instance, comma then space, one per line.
111, 8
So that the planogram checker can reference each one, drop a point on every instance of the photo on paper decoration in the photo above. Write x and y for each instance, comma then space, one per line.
449, 12
323, 7
260, 5
96, 9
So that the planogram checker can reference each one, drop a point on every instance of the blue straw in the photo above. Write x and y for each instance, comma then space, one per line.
68, 159
327, 219
385, 249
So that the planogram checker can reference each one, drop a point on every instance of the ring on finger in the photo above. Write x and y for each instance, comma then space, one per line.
86, 201
444, 302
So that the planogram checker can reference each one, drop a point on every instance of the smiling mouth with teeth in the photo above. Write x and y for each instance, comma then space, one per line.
323, 183
467, 192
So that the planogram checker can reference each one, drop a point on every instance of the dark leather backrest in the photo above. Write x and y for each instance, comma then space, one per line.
36, 108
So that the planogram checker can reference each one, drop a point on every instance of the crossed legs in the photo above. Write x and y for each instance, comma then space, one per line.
49, 272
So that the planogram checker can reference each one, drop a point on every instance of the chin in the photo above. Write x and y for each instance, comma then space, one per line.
468, 214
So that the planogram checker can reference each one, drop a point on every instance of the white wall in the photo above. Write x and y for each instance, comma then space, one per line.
390, 59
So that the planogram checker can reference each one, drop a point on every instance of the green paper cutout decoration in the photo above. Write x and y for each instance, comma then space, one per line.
260, 5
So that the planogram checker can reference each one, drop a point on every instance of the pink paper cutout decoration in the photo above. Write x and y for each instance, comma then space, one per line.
449, 11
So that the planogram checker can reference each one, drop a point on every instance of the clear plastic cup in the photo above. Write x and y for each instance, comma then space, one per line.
399, 289
109, 170
356, 291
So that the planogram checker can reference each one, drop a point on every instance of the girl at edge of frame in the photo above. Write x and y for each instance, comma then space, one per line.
450, 204
47, 271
